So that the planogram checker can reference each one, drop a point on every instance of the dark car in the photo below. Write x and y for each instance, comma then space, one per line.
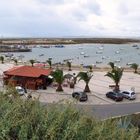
81, 96
117, 96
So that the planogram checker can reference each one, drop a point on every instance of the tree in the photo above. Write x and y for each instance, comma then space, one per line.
16, 61
49, 61
116, 75
32, 61
85, 76
69, 65
135, 67
2, 59
90, 68
112, 65
59, 78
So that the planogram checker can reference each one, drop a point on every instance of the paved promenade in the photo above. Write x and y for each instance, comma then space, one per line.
99, 85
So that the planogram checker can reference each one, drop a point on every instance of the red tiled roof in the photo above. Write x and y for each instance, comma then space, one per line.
27, 71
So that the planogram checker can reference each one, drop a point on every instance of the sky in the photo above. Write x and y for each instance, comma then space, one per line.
69, 18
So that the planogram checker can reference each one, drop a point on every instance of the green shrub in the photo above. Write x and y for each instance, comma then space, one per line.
29, 120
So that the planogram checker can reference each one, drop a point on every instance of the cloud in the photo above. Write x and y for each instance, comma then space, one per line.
39, 18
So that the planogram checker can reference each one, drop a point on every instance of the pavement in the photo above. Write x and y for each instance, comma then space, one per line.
99, 86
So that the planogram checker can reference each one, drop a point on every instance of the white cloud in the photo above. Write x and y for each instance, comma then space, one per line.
69, 18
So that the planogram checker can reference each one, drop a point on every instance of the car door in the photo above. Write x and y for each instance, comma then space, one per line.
125, 94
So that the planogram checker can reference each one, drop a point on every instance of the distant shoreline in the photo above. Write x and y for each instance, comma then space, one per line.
53, 41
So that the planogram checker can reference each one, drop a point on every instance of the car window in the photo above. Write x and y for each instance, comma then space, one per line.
133, 93
125, 92
77, 93
119, 94
111, 93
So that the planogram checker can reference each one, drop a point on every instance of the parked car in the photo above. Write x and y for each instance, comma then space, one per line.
81, 96
129, 94
20, 90
117, 96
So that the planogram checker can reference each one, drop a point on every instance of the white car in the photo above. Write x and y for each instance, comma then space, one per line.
20, 90
129, 94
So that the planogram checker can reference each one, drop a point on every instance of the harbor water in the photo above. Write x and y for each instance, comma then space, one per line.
86, 54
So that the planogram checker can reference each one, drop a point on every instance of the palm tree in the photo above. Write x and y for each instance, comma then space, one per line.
49, 61
59, 78
116, 75
85, 76
90, 68
32, 61
16, 61
69, 65
135, 67
112, 65
2, 59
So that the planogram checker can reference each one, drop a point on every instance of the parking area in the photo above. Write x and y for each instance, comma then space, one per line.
99, 86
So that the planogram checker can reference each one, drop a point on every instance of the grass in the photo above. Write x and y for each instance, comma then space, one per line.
29, 120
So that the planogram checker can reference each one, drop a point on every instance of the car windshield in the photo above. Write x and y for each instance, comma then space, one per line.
20, 90
133, 93
82, 94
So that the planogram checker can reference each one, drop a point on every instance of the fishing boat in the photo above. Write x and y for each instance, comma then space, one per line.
135, 45
59, 46
82, 53
99, 52
8, 55
117, 52
98, 62
86, 55
41, 55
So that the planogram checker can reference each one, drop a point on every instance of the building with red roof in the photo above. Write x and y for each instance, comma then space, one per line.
27, 76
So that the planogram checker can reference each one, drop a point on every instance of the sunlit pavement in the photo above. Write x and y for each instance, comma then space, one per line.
99, 85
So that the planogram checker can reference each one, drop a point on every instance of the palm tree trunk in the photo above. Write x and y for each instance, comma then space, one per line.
86, 88
59, 88
69, 68
117, 88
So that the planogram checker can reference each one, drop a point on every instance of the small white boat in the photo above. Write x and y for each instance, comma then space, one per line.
117, 61
129, 63
100, 48
41, 55
80, 48
86, 55
98, 62
103, 57
117, 52
99, 52
82, 53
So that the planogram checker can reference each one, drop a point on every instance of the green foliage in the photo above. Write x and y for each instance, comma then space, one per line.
90, 68
59, 78
85, 76
115, 75
49, 61
29, 120
69, 65
2, 59
16, 61
32, 61
135, 67
112, 65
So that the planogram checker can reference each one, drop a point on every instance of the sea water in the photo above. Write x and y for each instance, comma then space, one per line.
86, 54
